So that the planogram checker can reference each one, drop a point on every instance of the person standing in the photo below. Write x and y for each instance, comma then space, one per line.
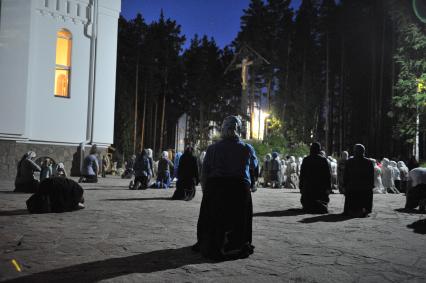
359, 184
187, 176
315, 181
25, 182
224, 228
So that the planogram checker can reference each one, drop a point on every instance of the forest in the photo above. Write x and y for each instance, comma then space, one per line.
340, 72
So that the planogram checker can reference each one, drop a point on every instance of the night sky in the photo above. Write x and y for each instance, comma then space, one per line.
215, 18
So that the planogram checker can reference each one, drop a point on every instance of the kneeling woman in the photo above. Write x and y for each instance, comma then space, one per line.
187, 176
224, 229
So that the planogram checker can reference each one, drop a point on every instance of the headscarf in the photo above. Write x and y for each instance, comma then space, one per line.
345, 155
149, 152
359, 150
315, 148
93, 149
165, 155
268, 157
231, 127
274, 155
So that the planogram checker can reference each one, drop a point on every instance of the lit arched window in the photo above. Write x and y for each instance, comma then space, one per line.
63, 63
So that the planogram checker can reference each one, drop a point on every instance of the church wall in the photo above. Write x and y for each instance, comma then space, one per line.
56, 118
14, 52
106, 60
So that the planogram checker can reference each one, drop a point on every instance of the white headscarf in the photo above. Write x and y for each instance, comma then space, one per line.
165, 155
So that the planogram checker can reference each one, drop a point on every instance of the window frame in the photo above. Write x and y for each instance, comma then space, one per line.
59, 67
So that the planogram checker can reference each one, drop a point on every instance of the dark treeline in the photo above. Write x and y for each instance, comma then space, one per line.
341, 72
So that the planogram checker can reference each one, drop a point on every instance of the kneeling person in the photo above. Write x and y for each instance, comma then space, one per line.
359, 184
416, 194
57, 194
224, 227
143, 171
315, 181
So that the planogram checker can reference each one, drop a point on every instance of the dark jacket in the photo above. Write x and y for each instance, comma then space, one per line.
188, 167
359, 174
315, 177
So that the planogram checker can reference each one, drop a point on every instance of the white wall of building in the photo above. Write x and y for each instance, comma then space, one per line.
14, 55
28, 107
56, 118
106, 60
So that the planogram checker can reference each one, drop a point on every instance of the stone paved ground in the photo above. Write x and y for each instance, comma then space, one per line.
142, 236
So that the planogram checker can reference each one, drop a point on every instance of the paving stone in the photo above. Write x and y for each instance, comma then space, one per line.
143, 236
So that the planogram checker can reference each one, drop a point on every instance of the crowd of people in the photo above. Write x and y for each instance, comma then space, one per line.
389, 176
228, 172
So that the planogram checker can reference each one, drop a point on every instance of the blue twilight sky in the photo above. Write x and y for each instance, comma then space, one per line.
215, 18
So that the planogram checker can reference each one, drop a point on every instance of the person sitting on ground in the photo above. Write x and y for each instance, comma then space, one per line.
404, 176
178, 155
396, 176
187, 176
143, 171
46, 169
359, 184
264, 172
412, 163
387, 175
275, 171
60, 170
129, 168
416, 193
90, 168
315, 181
292, 179
151, 161
25, 182
224, 229
56, 194
283, 171
341, 169
333, 169
165, 166
378, 185
104, 165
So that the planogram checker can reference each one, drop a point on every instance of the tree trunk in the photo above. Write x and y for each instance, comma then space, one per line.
154, 148
163, 114
136, 107
342, 96
143, 119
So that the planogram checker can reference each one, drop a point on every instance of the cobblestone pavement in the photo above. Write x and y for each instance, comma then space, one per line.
142, 236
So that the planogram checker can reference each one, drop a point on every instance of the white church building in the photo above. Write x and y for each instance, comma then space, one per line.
57, 77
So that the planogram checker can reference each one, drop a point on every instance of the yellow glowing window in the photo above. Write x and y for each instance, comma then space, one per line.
63, 63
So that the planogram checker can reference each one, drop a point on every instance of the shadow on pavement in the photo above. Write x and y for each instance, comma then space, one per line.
136, 199
281, 213
114, 267
326, 218
14, 212
107, 189
410, 211
10, 192
418, 226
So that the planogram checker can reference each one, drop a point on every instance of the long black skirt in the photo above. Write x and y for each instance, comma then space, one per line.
357, 200
224, 229
185, 189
